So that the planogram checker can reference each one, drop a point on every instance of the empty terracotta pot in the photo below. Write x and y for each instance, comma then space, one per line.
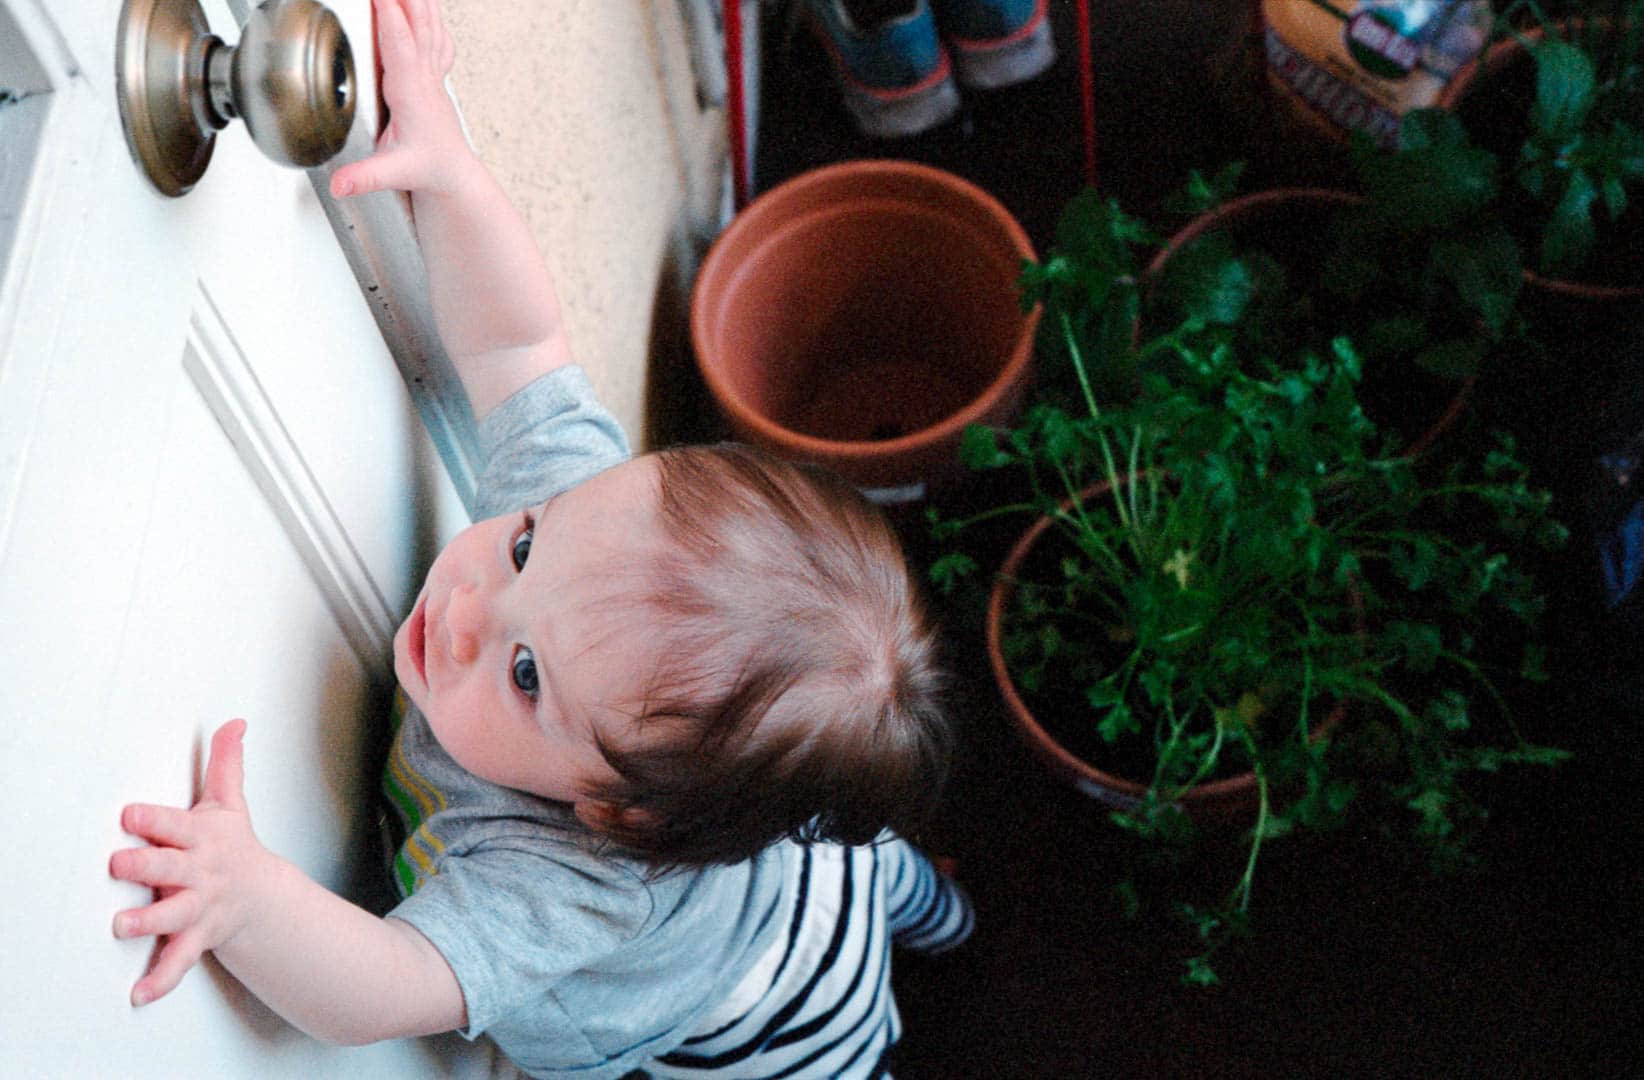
860, 316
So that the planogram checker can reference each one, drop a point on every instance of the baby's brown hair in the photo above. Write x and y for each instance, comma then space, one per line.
798, 691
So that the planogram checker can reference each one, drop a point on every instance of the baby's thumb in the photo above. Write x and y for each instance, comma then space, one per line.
375, 173
225, 771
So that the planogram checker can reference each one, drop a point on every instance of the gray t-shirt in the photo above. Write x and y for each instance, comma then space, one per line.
566, 955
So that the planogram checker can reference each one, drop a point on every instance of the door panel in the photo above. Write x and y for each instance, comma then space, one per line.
216, 500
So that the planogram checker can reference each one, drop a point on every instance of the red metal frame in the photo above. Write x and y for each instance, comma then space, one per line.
736, 106
1087, 90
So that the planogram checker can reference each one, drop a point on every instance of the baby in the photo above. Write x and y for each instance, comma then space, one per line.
662, 719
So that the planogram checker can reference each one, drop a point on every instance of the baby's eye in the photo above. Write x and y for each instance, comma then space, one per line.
522, 543
525, 672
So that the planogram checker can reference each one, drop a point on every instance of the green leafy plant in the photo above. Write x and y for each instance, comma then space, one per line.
1236, 552
1582, 160
1419, 272
1092, 280
1556, 148
1427, 259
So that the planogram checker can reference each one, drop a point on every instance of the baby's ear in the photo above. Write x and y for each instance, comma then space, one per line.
607, 818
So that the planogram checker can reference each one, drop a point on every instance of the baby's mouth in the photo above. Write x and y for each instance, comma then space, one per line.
416, 639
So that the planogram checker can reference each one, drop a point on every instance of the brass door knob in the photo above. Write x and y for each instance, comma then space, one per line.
291, 78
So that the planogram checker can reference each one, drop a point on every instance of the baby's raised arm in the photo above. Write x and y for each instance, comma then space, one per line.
333, 969
493, 297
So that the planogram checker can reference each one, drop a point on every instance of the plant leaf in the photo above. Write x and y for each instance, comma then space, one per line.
1200, 973
1570, 233
950, 569
1565, 84
1485, 271
1117, 722
1423, 129
1430, 187
1449, 711
1419, 642
1414, 562
1207, 193
979, 448
1433, 807
1094, 232
1207, 280
1615, 196
1060, 435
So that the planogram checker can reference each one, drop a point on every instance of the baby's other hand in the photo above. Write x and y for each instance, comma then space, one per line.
205, 864
423, 147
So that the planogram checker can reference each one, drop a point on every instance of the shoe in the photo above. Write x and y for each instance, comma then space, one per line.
894, 73
996, 42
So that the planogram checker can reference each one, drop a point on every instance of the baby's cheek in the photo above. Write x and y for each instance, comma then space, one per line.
477, 748
450, 736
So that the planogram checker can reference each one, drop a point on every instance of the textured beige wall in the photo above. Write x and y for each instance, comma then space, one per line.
587, 112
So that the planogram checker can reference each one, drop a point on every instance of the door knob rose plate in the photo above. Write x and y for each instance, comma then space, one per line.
291, 78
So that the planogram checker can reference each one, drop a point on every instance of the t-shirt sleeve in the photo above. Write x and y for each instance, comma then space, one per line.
549, 436
514, 919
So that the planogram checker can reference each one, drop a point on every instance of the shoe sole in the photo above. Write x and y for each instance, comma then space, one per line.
895, 114
988, 65
891, 112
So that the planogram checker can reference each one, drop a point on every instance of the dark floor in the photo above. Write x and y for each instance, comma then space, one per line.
1362, 963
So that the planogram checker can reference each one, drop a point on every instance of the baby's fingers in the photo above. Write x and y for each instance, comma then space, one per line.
179, 955
394, 36
445, 48
173, 915
409, 31
424, 21
158, 824
152, 866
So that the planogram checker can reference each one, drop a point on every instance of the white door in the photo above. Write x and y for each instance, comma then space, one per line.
215, 498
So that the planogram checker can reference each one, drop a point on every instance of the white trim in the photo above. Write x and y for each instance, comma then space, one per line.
219, 370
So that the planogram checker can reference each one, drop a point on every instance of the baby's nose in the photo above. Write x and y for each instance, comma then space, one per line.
465, 623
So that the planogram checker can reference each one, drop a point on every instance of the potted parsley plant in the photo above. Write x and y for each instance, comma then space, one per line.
1239, 604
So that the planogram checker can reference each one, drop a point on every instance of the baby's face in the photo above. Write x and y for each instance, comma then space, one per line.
514, 651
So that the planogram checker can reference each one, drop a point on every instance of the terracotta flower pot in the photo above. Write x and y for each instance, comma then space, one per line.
1496, 62
1280, 212
1229, 800
860, 316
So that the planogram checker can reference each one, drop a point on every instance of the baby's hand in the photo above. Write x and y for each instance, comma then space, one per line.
205, 863
423, 145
